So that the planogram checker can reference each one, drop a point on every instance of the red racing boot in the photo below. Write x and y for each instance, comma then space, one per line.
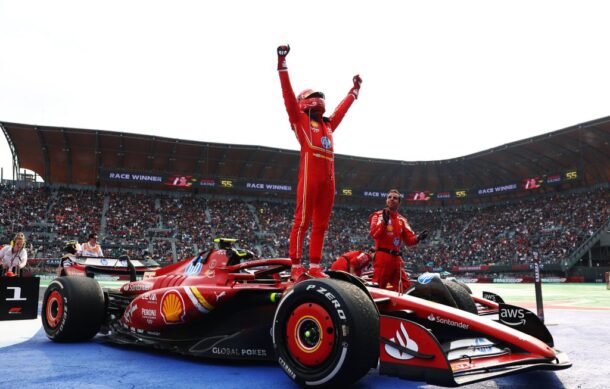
315, 271
296, 272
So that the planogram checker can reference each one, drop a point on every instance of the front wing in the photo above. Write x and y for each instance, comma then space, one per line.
411, 351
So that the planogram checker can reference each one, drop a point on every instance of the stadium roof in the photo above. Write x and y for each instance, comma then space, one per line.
80, 156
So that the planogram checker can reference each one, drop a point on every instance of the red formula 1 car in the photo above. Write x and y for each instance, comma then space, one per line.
226, 304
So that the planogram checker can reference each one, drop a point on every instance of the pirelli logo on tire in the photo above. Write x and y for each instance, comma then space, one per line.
331, 297
286, 368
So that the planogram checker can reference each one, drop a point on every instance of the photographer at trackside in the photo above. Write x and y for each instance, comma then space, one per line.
14, 257
389, 229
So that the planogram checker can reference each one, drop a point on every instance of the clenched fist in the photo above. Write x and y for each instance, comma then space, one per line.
282, 52
356, 88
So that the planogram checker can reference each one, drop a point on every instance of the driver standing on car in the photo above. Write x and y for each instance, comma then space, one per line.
389, 229
91, 248
14, 257
316, 185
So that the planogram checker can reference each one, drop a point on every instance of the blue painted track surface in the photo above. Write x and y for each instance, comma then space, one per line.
37, 362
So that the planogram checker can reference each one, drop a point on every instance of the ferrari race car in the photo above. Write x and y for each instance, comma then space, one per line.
227, 304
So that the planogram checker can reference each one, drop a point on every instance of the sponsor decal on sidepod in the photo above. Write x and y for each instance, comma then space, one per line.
172, 307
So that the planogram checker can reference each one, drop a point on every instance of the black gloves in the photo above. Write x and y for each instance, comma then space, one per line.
423, 235
386, 215
282, 52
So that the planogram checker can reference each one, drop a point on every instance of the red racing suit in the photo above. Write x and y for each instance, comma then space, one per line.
389, 267
357, 260
316, 186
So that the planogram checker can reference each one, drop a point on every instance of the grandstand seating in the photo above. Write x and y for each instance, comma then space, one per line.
174, 226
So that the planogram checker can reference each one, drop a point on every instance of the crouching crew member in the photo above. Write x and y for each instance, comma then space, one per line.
354, 262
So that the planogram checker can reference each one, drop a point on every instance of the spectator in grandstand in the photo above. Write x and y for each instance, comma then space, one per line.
316, 187
91, 248
14, 257
389, 228
354, 262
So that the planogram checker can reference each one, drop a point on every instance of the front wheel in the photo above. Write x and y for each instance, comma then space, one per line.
326, 333
73, 309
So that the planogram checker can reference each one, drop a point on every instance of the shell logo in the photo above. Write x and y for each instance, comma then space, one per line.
172, 307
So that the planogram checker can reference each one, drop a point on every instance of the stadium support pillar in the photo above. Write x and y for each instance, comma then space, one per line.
11, 147
45, 154
590, 258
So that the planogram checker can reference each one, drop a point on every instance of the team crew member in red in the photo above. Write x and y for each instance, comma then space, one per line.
354, 262
389, 229
316, 187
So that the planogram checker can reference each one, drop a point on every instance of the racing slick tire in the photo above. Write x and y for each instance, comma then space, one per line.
461, 296
73, 309
326, 333
460, 283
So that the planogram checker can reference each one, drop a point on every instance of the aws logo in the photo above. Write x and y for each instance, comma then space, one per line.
401, 338
512, 316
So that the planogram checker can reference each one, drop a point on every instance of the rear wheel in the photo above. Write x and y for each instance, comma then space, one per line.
461, 296
73, 309
325, 333
460, 283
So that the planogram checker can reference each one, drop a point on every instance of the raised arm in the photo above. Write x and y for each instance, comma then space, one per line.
290, 99
341, 110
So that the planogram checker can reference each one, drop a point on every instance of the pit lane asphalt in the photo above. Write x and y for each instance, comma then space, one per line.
38, 362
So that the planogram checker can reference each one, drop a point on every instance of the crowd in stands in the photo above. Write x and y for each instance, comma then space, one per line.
172, 226
74, 212
505, 234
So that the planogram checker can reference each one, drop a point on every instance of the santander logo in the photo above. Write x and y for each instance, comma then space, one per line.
402, 338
